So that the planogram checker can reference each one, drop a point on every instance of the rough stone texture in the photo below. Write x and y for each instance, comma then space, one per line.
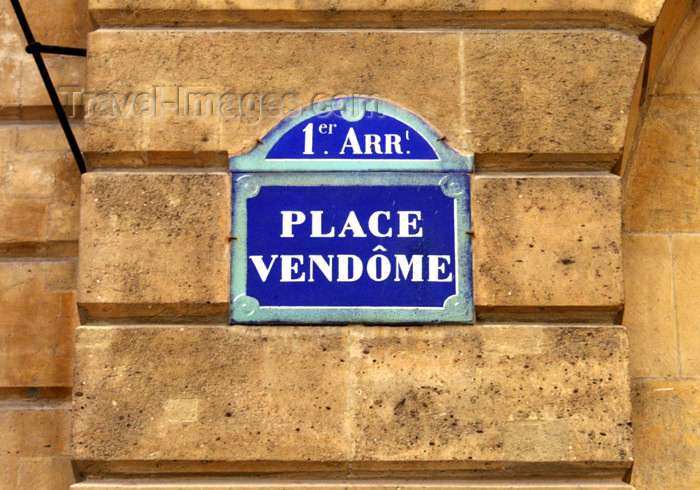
547, 242
667, 434
684, 79
64, 23
686, 267
362, 12
378, 485
548, 92
459, 398
662, 194
155, 244
649, 306
398, 65
578, 105
39, 185
38, 317
34, 446
662, 191
674, 46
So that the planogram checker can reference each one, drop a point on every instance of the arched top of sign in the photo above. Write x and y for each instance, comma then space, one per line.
352, 134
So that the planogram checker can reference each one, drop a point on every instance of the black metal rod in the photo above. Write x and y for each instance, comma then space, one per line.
36, 47
62, 118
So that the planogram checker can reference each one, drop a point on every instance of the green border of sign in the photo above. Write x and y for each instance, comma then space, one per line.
458, 308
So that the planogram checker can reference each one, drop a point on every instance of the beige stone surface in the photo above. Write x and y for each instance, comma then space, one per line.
673, 18
572, 100
662, 188
683, 75
457, 397
547, 241
674, 49
400, 66
548, 92
650, 315
135, 12
348, 484
39, 185
35, 446
666, 417
155, 244
38, 317
64, 23
686, 266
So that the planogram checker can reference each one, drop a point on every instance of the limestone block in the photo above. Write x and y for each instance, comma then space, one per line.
666, 428
686, 266
572, 101
39, 196
263, 398
548, 92
359, 12
546, 242
34, 447
351, 485
400, 66
155, 244
63, 23
682, 76
675, 39
661, 190
649, 308
38, 317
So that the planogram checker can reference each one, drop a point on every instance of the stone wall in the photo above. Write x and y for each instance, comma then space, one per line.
537, 390
167, 395
662, 258
39, 217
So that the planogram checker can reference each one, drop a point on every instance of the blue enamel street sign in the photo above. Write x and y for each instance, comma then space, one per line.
352, 213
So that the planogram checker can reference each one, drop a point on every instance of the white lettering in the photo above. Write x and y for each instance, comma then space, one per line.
289, 219
343, 268
406, 224
289, 266
435, 268
403, 266
392, 140
317, 226
259, 264
373, 141
326, 268
352, 224
373, 224
372, 265
351, 141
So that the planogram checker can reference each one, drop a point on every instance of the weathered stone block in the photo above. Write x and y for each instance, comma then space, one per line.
649, 308
363, 13
34, 446
661, 189
674, 53
548, 92
38, 317
686, 267
59, 23
40, 185
666, 426
155, 244
682, 76
547, 242
400, 66
459, 398
573, 107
